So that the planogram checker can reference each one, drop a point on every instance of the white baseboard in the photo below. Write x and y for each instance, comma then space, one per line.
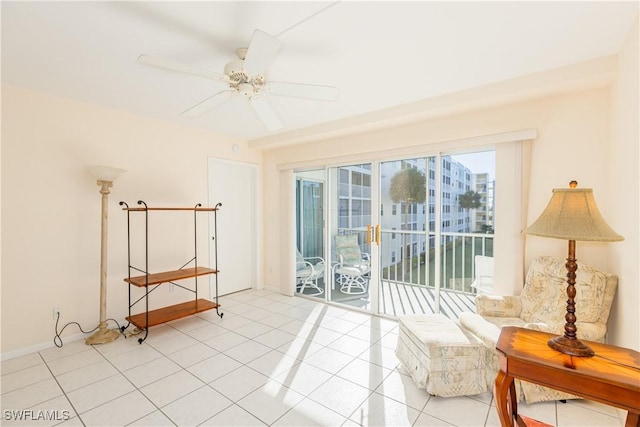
42, 346
272, 289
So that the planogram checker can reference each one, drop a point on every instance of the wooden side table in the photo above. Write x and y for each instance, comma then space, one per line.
612, 376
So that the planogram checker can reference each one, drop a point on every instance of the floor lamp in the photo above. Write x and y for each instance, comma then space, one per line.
105, 176
572, 214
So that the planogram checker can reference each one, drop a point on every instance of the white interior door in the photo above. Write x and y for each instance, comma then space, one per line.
234, 184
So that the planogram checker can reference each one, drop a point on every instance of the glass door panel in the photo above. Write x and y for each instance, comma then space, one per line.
407, 237
310, 262
437, 219
468, 185
350, 235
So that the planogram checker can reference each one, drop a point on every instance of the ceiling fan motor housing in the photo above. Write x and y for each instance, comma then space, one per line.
241, 81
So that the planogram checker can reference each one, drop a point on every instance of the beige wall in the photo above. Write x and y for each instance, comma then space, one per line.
574, 143
51, 206
624, 186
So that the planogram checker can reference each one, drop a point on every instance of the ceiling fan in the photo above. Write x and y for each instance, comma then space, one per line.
245, 75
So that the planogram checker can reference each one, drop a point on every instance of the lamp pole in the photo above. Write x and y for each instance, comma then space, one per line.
104, 335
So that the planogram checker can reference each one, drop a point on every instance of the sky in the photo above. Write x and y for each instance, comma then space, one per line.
483, 162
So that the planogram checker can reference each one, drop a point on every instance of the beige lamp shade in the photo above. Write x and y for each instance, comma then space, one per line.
105, 173
572, 214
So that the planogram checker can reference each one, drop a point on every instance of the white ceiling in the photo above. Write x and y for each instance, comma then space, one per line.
380, 55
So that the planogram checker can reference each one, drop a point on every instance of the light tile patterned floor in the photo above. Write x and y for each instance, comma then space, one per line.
272, 360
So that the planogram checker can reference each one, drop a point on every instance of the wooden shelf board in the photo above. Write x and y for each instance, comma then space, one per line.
170, 209
169, 276
172, 312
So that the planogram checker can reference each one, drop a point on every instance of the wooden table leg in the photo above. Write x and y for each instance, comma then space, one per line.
505, 403
633, 420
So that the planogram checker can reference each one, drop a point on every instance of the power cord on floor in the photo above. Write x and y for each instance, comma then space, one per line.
57, 339
136, 331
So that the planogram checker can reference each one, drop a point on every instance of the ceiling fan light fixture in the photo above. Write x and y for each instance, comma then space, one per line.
235, 70
246, 89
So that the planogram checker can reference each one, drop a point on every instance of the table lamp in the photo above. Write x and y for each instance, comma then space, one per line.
572, 214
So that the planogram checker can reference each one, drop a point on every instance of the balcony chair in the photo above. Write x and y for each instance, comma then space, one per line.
483, 283
542, 306
352, 270
308, 271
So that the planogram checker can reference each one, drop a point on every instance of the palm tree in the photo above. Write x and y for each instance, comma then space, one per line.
408, 186
470, 200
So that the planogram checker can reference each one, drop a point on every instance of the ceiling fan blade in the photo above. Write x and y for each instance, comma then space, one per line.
262, 50
208, 104
168, 64
266, 113
300, 90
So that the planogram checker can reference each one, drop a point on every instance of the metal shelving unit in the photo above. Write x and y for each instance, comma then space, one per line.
150, 281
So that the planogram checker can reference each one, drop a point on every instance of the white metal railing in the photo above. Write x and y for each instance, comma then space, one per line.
408, 257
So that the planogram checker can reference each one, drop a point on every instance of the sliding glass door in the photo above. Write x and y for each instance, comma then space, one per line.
399, 236
350, 236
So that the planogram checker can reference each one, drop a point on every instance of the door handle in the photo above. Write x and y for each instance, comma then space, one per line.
378, 234
368, 234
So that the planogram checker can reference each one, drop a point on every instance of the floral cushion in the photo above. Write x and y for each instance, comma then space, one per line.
347, 247
498, 305
545, 292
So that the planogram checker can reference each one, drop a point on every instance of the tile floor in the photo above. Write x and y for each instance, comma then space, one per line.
272, 360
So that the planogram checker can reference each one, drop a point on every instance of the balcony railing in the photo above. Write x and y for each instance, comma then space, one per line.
409, 257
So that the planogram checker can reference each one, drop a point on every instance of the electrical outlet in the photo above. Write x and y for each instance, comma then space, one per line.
56, 313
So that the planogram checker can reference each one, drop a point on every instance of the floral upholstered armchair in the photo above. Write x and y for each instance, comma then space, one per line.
542, 306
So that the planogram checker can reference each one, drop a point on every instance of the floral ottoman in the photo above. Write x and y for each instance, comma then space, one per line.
440, 357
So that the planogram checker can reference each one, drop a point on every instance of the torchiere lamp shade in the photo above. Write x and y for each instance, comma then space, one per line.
105, 173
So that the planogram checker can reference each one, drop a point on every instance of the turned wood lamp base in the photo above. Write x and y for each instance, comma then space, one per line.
569, 343
573, 347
